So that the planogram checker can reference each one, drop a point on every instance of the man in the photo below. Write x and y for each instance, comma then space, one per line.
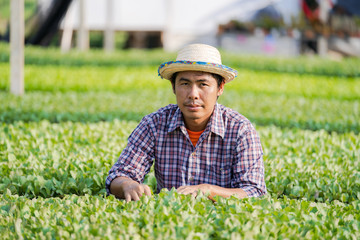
196, 144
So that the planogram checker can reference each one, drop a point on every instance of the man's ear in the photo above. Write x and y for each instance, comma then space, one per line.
221, 89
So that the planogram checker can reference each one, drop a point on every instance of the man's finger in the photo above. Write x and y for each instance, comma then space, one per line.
180, 188
140, 190
183, 191
194, 194
127, 197
186, 190
147, 190
135, 196
180, 191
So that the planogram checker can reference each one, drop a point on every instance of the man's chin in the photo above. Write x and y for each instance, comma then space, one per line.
193, 116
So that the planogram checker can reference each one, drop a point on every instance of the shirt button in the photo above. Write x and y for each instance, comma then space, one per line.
193, 154
191, 178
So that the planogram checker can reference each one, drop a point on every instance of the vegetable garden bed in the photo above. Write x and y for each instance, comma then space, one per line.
60, 139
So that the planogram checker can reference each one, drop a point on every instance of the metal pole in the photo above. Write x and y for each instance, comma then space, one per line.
109, 30
83, 33
68, 29
322, 42
17, 47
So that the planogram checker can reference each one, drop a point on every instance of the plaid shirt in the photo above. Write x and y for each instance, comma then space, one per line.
227, 154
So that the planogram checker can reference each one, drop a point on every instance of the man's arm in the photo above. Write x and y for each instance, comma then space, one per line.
128, 189
133, 164
212, 190
248, 168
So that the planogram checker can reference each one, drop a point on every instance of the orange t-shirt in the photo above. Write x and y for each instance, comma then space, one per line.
194, 136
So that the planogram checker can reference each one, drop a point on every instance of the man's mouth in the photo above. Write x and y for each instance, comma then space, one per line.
193, 107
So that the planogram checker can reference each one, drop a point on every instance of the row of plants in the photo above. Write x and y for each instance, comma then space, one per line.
169, 215
45, 159
122, 79
95, 57
302, 65
263, 109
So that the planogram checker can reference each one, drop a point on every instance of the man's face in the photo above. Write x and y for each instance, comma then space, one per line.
196, 95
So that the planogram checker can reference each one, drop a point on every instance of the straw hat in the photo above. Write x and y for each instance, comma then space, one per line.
197, 57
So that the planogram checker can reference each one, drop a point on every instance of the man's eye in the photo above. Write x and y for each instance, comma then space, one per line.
203, 84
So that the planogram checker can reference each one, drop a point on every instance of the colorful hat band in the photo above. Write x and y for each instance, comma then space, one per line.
220, 66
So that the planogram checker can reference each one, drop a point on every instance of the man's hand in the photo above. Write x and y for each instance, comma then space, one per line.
193, 190
212, 190
133, 191
128, 189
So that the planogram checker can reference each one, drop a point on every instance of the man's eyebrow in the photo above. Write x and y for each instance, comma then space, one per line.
198, 80
202, 80
184, 79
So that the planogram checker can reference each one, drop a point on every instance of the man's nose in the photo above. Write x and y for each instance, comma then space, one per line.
194, 92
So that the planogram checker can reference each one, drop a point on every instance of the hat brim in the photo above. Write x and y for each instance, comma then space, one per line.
166, 70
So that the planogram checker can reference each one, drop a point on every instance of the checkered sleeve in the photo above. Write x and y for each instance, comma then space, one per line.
248, 168
136, 159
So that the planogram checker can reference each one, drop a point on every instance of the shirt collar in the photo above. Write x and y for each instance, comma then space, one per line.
176, 120
215, 124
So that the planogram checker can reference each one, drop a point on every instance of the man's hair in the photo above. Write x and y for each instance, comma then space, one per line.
218, 78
